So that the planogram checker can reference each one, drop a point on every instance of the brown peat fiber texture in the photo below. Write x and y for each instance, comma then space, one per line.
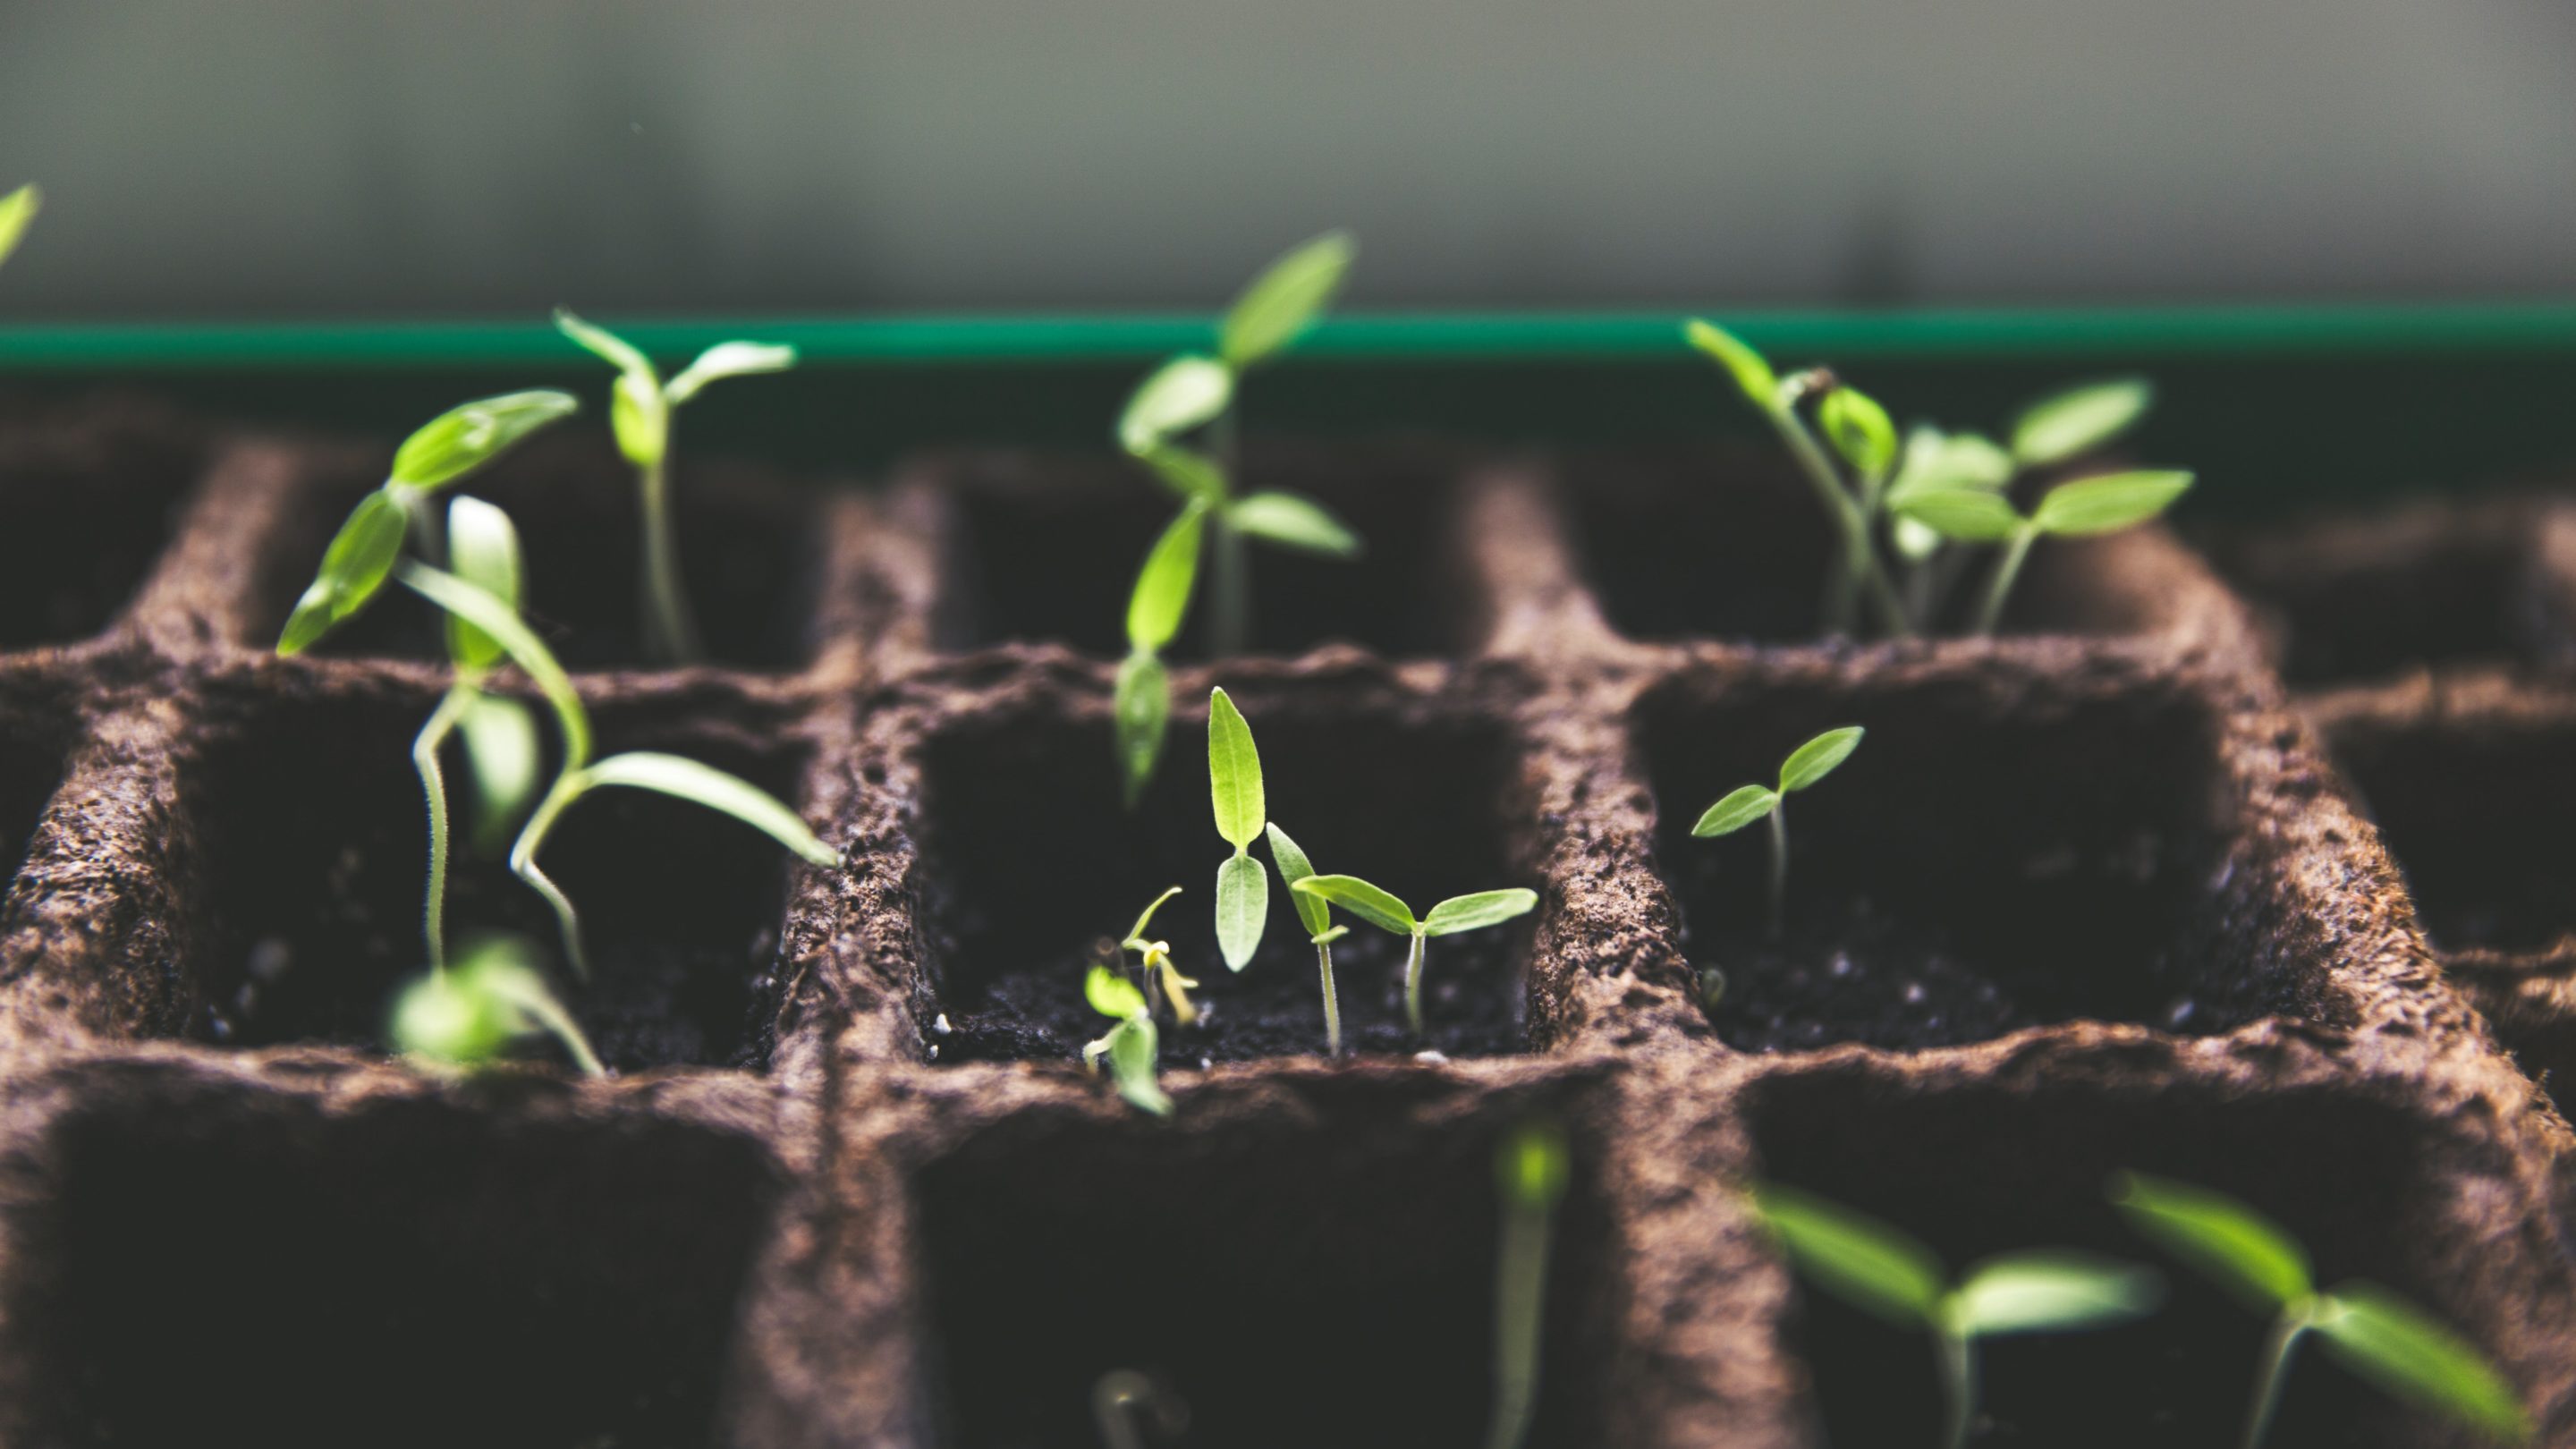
2101, 893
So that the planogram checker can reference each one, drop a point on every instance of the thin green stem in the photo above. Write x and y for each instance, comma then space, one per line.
1859, 568
1999, 584
1413, 984
1332, 1000
1957, 1354
1779, 867
669, 630
523, 863
2283, 1338
1229, 588
1520, 1298
433, 786
549, 1013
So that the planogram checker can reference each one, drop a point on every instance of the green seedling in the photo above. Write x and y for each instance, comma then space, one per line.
1154, 969
1188, 395
1125, 1403
1531, 1169
580, 775
1743, 805
1887, 1273
1234, 787
1458, 913
1317, 918
2083, 508
493, 998
2365, 1327
17, 209
641, 409
1132, 1046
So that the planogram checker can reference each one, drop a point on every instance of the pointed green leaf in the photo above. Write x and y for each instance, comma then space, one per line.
353, 569
1361, 899
17, 209
1191, 475
1972, 515
1750, 372
1234, 773
1532, 1166
1294, 522
2052, 1290
728, 359
1817, 758
704, 784
2079, 420
501, 753
1312, 913
1288, 295
2221, 1238
1162, 596
483, 550
1141, 710
1184, 393
1112, 995
1133, 1046
1145, 917
2399, 1347
1476, 911
469, 435
607, 346
1936, 460
1860, 430
1242, 909
1742, 806
1859, 1259
515, 638
2109, 503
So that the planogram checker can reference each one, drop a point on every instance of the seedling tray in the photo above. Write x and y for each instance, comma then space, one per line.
2101, 893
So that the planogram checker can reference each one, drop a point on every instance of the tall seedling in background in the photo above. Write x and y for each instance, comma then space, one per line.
640, 412
1195, 393
2367, 1328
1382, 910
1745, 804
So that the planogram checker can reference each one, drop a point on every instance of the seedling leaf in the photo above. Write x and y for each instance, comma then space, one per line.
353, 569
1532, 1168
523, 646
2052, 1289
1112, 995
1182, 394
1234, 774
2108, 503
470, 1013
1870, 1264
1934, 460
2079, 420
500, 738
16, 210
1751, 373
1362, 900
1742, 806
1145, 917
1242, 909
704, 784
1162, 597
2243, 1251
728, 359
1972, 515
1859, 429
1133, 1046
1817, 758
1477, 911
1293, 522
1312, 913
469, 435
1285, 299
1141, 709
607, 346
2396, 1345
483, 550
1187, 472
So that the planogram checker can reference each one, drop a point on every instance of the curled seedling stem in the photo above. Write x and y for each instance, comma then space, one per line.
1458, 913
493, 997
1531, 1169
1154, 969
1745, 804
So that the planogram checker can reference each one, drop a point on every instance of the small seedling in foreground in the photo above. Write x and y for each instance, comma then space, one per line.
1317, 918
2370, 1330
1885, 1272
1530, 1173
1745, 804
1234, 786
2086, 507
1458, 913
17, 209
1155, 972
492, 998
640, 412
1132, 1046
1124, 1403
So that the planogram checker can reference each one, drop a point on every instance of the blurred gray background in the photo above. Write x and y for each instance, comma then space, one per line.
271, 157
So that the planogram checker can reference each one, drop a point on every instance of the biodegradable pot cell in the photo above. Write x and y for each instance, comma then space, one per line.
2104, 903
87, 496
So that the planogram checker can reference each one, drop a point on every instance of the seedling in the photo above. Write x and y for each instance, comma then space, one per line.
1195, 393
1888, 1273
1458, 913
2083, 508
641, 408
1234, 786
492, 998
17, 209
1530, 1173
1745, 804
1124, 1403
2368, 1329
1154, 969
1132, 1046
1317, 918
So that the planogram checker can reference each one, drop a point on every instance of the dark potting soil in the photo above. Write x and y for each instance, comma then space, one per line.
2475, 813
87, 501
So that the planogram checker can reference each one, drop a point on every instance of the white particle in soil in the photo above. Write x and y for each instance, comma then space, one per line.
2179, 1015
1914, 993
219, 1026
1433, 1058
269, 958
934, 1051
941, 1025
1842, 966
1207, 1064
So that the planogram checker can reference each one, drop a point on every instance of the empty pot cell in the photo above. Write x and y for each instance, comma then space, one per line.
1976, 1168
255, 1270
1321, 1277
2356, 598
1048, 550
311, 848
1032, 872
87, 498
1994, 856
750, 559
32, 742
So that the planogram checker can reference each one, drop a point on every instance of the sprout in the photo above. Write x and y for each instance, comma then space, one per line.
1234, 786
640, 413
2370, 1330
2088, 506
1154, 968
1885, 1272
1317, 918
1530, 1173
1458, 913
493, 997
1745, 804
1131, 1046
2067, 425
1187, 394
1124, 1402
17, 209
